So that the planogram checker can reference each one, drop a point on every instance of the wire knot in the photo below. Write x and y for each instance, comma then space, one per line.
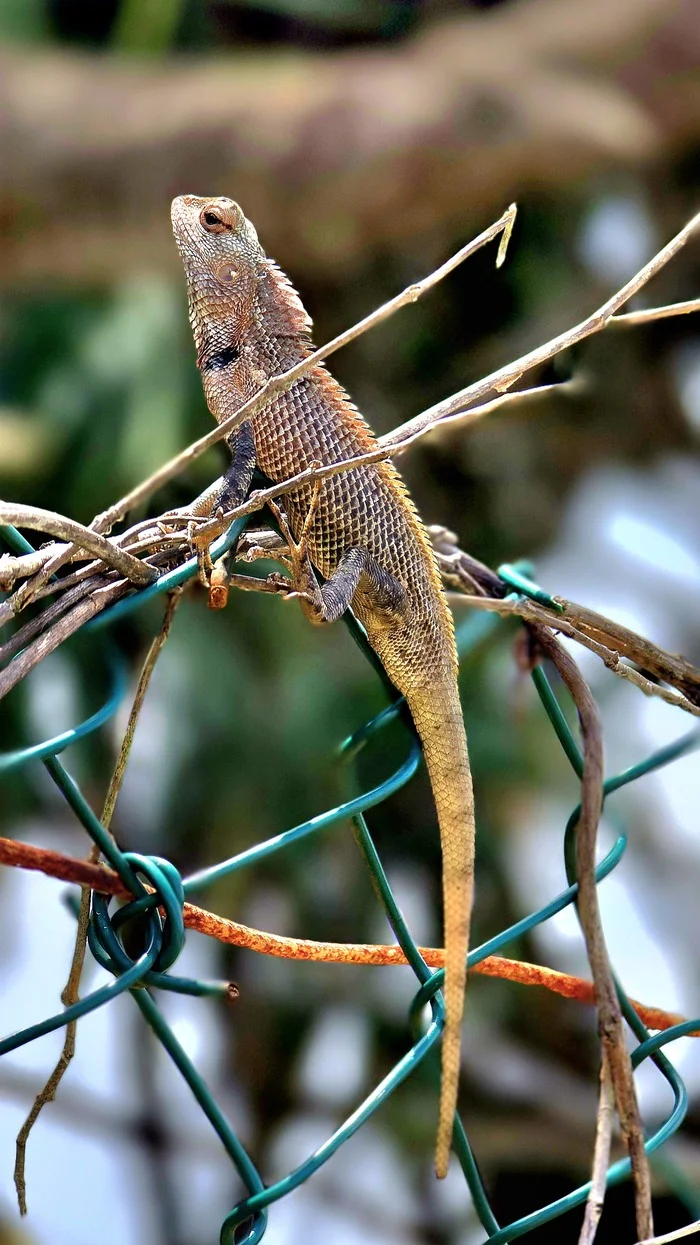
149, 930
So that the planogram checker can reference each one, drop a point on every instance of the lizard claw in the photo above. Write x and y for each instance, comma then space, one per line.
286, 588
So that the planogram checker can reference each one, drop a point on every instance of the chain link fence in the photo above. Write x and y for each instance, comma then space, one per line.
158, 894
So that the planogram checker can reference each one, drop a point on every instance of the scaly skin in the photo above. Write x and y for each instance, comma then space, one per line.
248, 325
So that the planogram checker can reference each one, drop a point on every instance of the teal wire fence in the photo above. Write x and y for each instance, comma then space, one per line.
162, 908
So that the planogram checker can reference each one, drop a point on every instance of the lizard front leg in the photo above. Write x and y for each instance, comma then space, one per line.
233, 486
224, 494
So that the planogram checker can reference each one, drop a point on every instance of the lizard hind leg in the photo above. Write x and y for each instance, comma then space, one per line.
357, 572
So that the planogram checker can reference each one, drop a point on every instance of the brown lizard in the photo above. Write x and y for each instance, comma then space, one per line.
359, 529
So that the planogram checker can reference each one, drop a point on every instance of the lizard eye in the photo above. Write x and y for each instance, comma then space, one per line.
211, 221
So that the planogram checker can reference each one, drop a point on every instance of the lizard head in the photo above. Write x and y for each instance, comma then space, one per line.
230, 279
215, 240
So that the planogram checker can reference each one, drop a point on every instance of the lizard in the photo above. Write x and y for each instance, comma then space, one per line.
353, 540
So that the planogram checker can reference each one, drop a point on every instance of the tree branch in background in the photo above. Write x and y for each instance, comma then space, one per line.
466, 111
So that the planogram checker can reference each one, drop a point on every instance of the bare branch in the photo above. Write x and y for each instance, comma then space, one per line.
83, 537
507, 376
678, 1234
651, 314
610, 1027
601, 1157
101, 595
531, 611
606, 638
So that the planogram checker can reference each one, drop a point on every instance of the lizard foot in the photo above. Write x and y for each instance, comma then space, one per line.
289, 591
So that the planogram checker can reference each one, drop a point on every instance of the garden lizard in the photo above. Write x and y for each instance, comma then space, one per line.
353, 541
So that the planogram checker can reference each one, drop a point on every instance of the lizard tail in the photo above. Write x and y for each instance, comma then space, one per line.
437, 714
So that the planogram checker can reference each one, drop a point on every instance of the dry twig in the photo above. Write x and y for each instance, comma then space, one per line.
601, 1156
102, 879
690, 1229
610, 1027
70, 994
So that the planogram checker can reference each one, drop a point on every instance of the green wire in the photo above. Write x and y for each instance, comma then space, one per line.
165, 934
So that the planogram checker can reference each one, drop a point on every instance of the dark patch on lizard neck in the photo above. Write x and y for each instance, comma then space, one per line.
220, 359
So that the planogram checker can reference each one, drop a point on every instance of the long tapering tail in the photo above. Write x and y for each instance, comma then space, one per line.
437, 714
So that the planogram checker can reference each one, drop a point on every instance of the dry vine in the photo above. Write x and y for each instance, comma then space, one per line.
99, 878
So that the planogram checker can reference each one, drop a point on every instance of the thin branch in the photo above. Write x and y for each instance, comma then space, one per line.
481, 588
49, 1090
70, 994
601, 1156
101, 596
507, 376
531, 611
650, 314
43, 621
20, 566
67, 869
149, 665
678, 1234
610, 1025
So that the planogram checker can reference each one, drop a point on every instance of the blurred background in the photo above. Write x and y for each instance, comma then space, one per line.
366, 139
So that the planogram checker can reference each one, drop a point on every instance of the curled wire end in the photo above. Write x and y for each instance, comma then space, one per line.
235, 1231
518, 577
